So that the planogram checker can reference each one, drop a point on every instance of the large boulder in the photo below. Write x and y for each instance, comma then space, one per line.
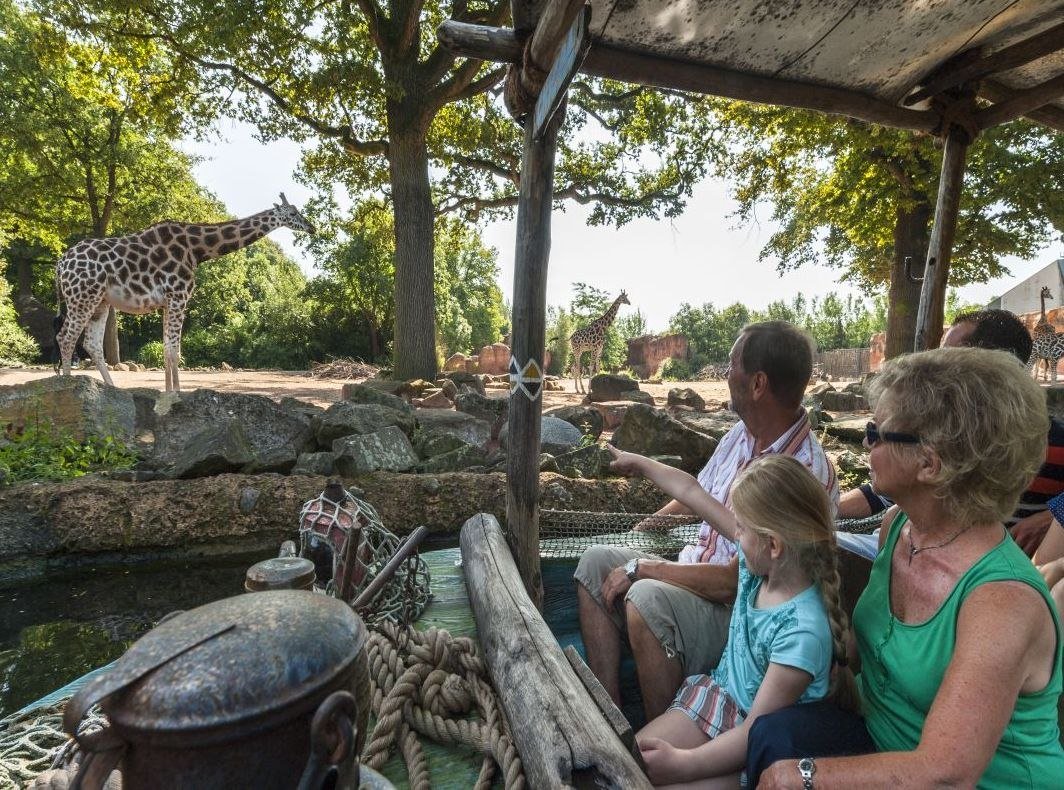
713, 425
842, 401
455, 362
315, 464
612, 413
587, 419
275, 435
464, 427
590, 461
345, 418
607, 387
556, 436
493, 411
388, 449
685, 396
144, 401
364, 393
467, 382
648, 431
494, 359
454, 461
78, 405
213, 451
637, 396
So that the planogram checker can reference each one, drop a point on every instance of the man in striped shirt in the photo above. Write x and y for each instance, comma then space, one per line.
675, 614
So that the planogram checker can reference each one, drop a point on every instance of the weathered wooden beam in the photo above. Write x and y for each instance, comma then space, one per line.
1021, 103
956, 73
482, 42
551, 29
936, 272
531, 256
629, 66
563, 739
566, 63
1049, 115
500, 44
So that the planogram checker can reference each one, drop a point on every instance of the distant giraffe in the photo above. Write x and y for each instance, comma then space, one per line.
1048, 343
591, 338
144, 271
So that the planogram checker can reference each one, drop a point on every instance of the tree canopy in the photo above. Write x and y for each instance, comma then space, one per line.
860, 197
385, 110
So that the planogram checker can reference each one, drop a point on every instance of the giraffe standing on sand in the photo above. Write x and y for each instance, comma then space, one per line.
591, 338
144, 271
1048, 343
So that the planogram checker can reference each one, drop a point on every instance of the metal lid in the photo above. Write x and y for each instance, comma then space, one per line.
236, 660
280, 573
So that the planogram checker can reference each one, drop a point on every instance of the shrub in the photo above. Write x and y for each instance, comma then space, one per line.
40, 452
676, 370
151, 354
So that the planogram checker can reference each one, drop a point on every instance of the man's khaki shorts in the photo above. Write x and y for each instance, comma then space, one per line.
688, 627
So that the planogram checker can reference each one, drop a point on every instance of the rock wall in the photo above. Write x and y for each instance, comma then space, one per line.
645, 354
99, 521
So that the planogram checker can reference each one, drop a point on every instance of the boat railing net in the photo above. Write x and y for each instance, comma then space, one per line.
565, 534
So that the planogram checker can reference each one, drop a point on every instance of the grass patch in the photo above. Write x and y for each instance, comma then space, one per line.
41, 452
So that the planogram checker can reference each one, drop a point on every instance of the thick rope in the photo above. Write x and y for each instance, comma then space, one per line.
431, 683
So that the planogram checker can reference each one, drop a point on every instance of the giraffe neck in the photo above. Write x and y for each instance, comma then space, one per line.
1043, 298
609, 315
221, 238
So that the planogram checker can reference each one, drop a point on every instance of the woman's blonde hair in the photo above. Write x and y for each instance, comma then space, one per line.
778, 496
983, 415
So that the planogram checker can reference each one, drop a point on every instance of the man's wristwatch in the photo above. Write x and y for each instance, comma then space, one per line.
807, 768
631, 568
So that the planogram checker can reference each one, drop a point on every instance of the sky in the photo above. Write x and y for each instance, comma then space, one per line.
702, 256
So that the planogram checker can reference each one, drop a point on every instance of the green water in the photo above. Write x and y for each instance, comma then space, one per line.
56, 630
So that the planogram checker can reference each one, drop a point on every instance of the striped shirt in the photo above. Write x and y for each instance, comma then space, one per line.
1050, 479
734, 452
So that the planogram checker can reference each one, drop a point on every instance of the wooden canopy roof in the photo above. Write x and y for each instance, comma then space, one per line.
863, 58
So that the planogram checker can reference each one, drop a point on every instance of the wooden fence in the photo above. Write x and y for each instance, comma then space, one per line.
844, 363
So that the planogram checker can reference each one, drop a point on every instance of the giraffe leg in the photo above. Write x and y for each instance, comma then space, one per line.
77, 317
174, 317
94, 342
1051, 363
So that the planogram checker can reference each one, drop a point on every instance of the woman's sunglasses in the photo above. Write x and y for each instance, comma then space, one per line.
874, 436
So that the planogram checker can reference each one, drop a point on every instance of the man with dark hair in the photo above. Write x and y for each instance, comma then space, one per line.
997, 330
675, 615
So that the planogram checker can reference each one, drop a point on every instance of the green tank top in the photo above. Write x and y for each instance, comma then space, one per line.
902, 667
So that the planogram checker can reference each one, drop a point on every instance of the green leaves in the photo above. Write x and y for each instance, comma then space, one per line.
40, 452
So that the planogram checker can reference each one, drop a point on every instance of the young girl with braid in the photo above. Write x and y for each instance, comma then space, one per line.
787, 637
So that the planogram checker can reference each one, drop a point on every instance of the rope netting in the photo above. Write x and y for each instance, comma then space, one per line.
566, 533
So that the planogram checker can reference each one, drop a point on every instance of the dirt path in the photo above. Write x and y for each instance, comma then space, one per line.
298, 384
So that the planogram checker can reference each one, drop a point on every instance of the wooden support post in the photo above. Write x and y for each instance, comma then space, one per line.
529, 326
933, 293
562, 737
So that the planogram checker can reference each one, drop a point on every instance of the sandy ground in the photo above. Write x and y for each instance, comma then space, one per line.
298, 384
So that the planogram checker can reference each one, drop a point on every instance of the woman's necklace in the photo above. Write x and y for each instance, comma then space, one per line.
914, 550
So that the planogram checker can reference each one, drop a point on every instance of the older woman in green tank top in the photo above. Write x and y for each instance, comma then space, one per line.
959, 641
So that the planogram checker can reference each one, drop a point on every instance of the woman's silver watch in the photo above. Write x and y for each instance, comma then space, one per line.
807, 768
631, 568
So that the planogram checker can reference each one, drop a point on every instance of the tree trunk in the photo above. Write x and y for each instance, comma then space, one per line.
111, 351
25, 275
415, 308
910, 240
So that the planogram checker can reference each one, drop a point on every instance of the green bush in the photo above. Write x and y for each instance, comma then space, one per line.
15, 343
676, 370
40, 452
151, 354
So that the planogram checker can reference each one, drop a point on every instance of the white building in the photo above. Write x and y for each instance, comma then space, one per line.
1024, 298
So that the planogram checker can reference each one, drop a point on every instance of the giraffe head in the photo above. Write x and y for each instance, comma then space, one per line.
289, 215
1045, 292
623, 298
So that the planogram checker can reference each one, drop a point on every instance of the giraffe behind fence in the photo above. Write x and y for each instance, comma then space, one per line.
591, 338
148, 270
1048, 345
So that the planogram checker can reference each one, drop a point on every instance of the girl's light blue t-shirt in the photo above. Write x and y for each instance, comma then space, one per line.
795, 634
